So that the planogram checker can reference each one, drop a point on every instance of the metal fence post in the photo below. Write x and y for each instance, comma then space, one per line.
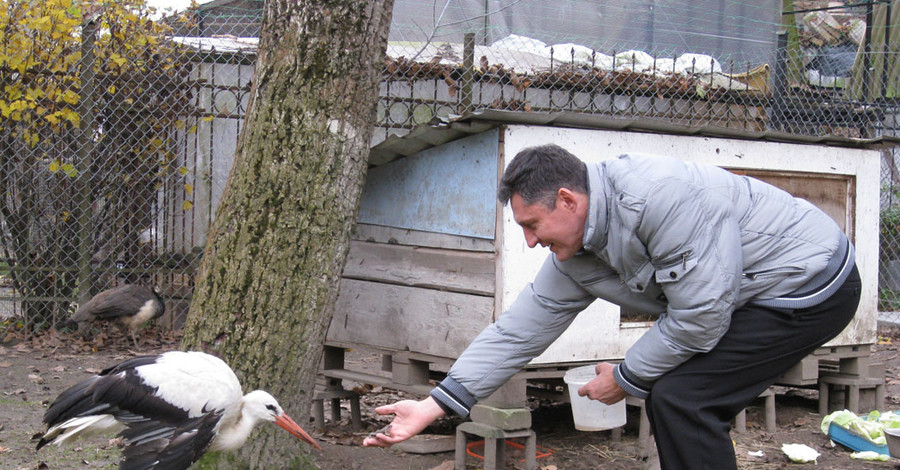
85, 159
465, 97
779, 82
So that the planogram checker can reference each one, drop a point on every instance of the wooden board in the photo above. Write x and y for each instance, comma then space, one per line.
403, 236
454, 271
414, 319
372, 379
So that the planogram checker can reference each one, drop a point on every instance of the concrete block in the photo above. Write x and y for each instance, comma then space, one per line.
506, 419
427, 444
511, 395
409, 371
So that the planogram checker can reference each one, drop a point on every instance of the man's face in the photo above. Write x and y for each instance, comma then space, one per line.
561, 228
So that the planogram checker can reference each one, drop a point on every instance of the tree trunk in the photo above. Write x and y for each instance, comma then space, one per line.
269, 279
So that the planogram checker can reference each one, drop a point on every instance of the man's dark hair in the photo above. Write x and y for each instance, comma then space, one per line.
537, 173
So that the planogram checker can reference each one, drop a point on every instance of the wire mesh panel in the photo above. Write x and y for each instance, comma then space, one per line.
105, 151
889, 247
811, 71
117, 132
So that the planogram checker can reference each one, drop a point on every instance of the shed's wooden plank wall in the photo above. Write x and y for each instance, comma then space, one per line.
401, 318
455, 271
404, 290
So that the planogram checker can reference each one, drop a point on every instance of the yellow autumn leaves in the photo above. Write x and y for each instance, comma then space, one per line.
44, 81
41, 54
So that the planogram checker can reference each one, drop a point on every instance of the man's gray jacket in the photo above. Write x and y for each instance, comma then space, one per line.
687, 242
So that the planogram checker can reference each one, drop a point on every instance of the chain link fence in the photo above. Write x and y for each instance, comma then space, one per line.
122, 187
97, 114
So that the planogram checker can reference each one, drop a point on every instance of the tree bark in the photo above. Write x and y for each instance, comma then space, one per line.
266, 288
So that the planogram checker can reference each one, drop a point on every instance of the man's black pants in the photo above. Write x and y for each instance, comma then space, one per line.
691, 407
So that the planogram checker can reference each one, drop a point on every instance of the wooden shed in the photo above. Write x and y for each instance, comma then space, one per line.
435, 258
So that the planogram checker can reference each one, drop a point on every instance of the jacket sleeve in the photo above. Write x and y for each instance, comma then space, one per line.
541, 312
693, 239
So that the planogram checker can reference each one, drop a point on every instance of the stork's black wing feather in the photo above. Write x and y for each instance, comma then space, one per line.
121, 387
118, 391
98, 394
72, 402
153, 445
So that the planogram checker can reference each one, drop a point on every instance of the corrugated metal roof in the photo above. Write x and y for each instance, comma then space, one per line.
442, 130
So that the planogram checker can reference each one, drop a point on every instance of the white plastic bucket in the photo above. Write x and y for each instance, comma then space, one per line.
893, 441
591, 415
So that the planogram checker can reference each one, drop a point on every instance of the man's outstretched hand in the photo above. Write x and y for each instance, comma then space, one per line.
410, 418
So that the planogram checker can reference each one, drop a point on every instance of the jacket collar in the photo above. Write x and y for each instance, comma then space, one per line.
597, 223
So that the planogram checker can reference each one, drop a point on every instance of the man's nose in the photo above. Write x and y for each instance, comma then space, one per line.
530, 239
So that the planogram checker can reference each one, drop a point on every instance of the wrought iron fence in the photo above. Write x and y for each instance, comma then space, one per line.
126, 191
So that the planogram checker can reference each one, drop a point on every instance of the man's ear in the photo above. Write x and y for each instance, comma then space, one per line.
566, 199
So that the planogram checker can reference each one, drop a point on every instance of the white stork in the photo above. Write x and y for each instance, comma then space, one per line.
169, 409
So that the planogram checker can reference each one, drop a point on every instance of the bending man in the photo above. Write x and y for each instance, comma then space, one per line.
746, 280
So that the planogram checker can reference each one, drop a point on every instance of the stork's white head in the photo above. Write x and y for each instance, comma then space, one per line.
260, 406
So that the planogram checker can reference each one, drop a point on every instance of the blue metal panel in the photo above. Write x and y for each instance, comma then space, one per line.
450, 189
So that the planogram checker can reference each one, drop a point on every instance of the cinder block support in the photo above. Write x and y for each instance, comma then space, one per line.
335, 397
771, 423
824, 390
513, 394
740, 421
333, 357
616, 433
426, 444
355, 414
644, 438
319, 414
804, 372
855, 365
496, 425
460, 455
507, 419
494, 445
851, 384
408, 371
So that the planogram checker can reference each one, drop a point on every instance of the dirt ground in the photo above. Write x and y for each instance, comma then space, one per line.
33, 372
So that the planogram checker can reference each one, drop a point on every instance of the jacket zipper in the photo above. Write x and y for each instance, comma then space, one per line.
785, 270
673, 260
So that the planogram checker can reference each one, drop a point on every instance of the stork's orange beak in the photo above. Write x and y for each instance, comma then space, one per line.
290, 426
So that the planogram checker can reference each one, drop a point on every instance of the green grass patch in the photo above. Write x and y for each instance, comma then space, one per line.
13, 400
